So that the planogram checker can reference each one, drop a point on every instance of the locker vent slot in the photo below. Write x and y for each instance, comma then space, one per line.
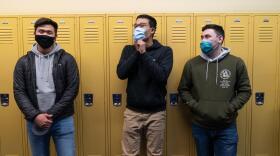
63, 35
7, 36
120, 34
30, 35
237, 34
178, 34
265, 34
91, 35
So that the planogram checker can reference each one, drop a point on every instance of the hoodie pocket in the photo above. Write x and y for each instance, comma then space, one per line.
214, 110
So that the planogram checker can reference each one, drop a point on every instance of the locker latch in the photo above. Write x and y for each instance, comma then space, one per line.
88, 99
259, 98
173, 99
4, 99
117, 99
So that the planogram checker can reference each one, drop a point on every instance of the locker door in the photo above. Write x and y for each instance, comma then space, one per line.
160, 29
278, 74
120, 34
28, 32
200, 21
66, 34
66, 38
179, 35
238, 40
11, 120
265, 115
93, 115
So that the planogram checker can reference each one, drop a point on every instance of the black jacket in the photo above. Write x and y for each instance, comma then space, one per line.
147, 76
66, 80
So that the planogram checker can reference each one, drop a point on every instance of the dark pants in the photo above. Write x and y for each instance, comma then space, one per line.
221, 142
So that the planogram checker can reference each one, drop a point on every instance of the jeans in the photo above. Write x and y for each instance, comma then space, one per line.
222, 142
62, 132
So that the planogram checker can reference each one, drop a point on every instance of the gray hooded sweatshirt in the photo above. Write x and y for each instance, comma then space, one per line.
224, 52
44, 78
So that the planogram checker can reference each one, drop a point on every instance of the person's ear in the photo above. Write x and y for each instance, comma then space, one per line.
153, 30
221, 39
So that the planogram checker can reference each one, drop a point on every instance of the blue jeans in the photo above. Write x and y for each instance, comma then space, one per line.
62, 132
221, 142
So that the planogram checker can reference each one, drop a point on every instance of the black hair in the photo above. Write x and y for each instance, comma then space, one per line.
217, 28
45, 21
152, 20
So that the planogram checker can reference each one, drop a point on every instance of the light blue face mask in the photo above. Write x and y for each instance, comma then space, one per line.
206, 47
139, 33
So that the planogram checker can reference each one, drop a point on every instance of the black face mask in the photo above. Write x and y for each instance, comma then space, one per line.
44, 41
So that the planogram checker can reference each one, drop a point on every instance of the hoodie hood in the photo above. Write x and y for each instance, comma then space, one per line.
224, 51
154, 46
55, 49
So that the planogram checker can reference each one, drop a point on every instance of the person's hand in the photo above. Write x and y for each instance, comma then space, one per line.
140, 46
43, 120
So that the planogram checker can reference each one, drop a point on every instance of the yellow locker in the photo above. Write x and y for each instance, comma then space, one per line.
93, 114
66, 33
119, 35
200, 21
11, 122
179, 35
66, 38
278, 76
159, 35
28, 32
239, 40
265, 115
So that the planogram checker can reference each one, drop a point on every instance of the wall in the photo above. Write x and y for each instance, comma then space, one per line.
91, 6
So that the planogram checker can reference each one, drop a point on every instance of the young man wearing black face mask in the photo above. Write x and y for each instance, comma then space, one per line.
215, 85
147, 65
46, 82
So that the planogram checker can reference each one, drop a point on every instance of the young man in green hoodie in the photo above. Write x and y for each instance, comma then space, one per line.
215, 85
46, 82
147, 65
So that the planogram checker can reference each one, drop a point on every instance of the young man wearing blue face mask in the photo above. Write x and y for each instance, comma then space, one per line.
147, 65
46, 82
215, 85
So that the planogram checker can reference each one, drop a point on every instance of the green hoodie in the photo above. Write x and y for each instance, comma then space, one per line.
215, 89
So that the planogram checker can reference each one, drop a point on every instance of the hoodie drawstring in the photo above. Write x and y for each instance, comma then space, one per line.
49, 67
217, 71
207, 70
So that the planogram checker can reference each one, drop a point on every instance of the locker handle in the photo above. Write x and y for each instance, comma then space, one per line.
266, 20
179, 21
117, 99
88, 99
61, 22
4, 100
208, 21
237, 20
91, 22
259, 98
173, 99
119, 21
5, 22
